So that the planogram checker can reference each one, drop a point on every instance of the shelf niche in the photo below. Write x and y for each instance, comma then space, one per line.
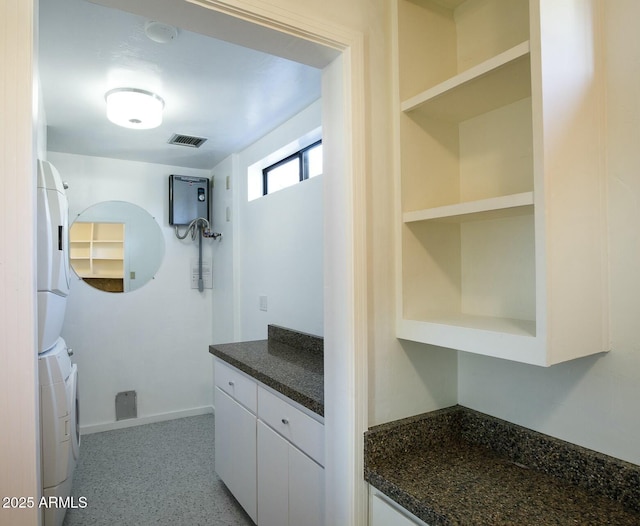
484, 251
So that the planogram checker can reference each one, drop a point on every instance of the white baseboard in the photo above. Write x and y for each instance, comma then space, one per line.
132, 422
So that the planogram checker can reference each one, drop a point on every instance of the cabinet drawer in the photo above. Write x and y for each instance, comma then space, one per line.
237, 385
301, 430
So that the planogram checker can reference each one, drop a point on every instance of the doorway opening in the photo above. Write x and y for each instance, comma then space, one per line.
340, 56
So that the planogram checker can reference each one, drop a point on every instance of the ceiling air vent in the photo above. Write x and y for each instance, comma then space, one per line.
187, 140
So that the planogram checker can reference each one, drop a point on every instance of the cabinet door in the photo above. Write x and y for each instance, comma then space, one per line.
235, 451
223, 438
273, 478
306, 490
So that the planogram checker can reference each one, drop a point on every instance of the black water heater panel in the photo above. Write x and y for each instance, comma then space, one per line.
188, 199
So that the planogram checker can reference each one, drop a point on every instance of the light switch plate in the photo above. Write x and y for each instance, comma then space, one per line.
263, 303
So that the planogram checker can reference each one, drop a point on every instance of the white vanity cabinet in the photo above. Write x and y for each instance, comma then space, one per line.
269, 451
499, 165
290, 481
383, 512
235, 435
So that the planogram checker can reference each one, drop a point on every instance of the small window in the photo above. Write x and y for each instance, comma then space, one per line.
303, 164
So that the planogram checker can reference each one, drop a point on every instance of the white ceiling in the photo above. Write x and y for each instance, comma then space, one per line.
230, 94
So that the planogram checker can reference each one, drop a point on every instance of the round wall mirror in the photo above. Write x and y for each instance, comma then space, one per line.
115, 246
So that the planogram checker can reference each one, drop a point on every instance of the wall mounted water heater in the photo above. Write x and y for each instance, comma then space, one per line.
188, 199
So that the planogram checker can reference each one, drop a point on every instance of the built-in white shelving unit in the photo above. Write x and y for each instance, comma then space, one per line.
97, 249
500, 183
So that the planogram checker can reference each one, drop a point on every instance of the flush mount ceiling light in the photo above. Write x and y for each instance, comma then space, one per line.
134, 108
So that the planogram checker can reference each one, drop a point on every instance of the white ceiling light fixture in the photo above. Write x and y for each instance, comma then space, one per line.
134, 108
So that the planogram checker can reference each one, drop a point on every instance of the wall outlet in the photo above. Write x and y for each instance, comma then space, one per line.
262, 303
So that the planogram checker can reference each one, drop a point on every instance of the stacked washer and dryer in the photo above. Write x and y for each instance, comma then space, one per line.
59, 432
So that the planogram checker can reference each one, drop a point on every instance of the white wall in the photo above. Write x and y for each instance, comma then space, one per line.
225, 317
404, 378
592, 401
153, 340
279, 242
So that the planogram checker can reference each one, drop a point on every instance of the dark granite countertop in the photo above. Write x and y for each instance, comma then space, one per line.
288, 361
456, 466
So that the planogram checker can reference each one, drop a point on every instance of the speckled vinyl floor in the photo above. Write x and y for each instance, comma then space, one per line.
156, 474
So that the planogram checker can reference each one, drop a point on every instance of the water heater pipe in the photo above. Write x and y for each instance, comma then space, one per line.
201, 225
